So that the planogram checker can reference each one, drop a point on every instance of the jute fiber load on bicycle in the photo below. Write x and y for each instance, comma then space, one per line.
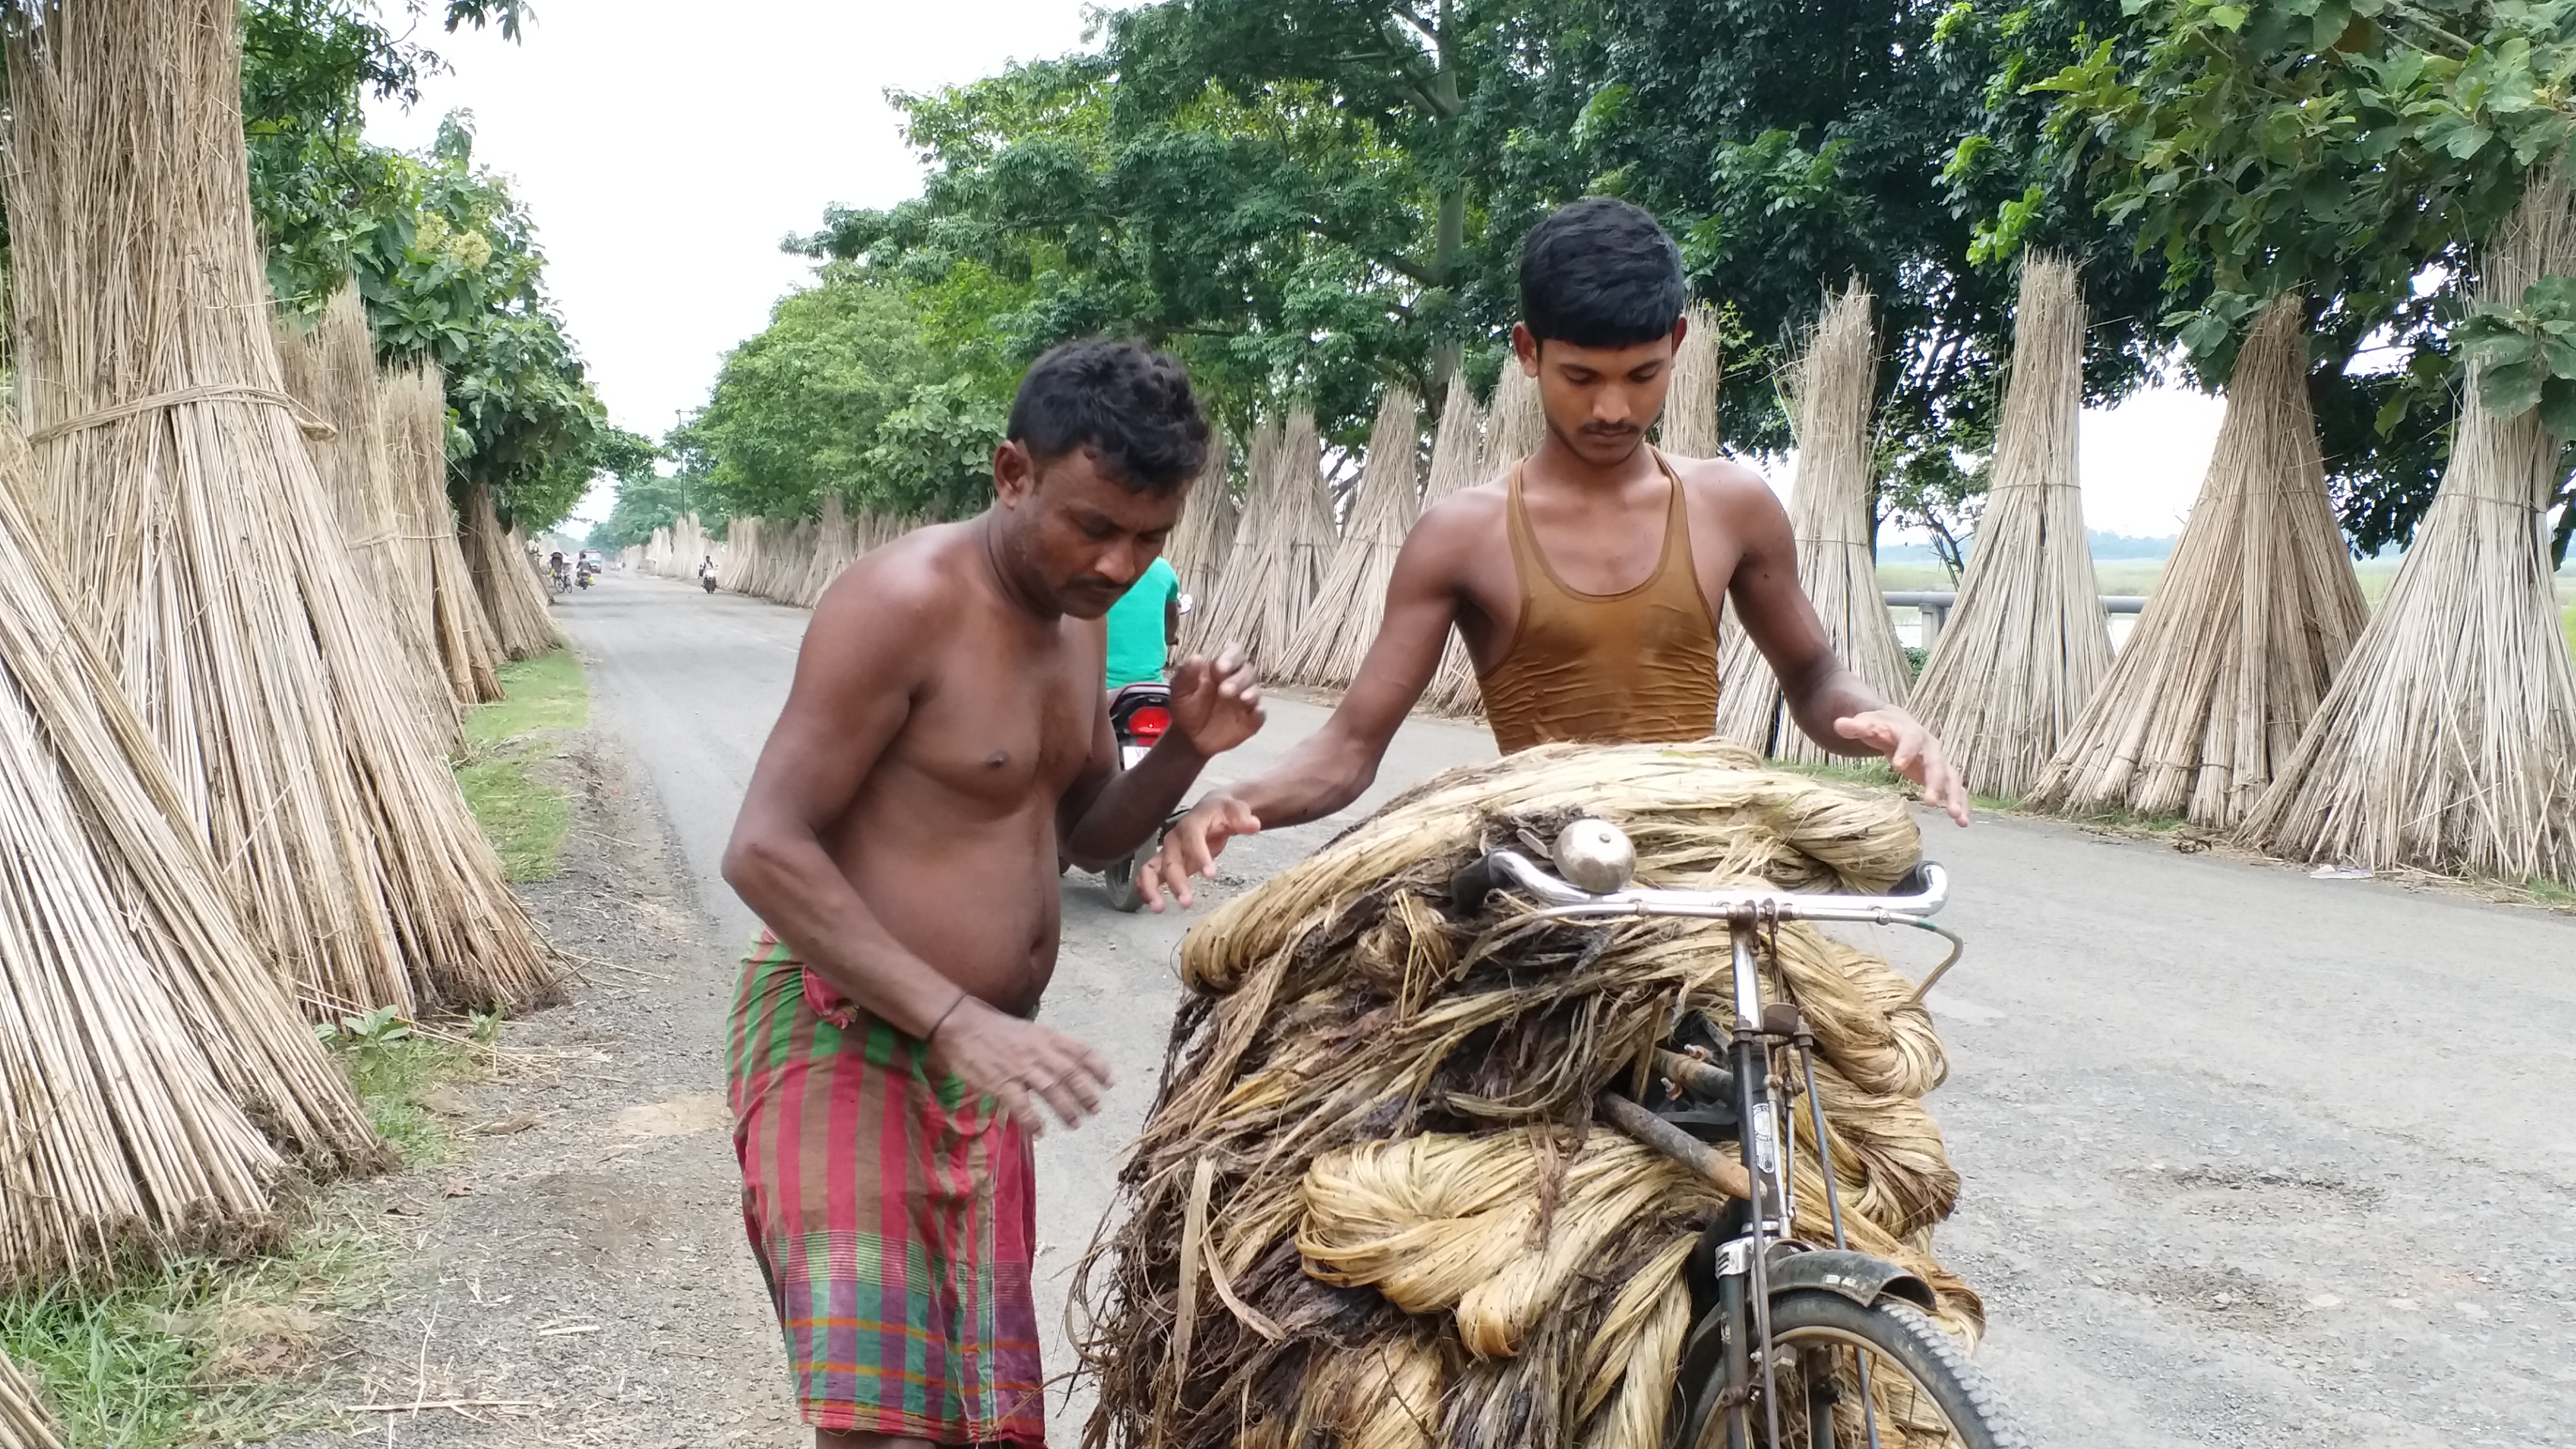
1372, 1202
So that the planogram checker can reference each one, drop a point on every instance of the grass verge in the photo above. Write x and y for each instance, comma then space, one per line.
505, 741
213, 1350
204, 1352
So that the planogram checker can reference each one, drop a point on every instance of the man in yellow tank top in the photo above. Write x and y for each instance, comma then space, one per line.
1588, 581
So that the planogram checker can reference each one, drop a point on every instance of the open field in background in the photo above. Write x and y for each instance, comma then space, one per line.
2138, 576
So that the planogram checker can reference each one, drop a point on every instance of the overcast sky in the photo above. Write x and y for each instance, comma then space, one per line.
665, 148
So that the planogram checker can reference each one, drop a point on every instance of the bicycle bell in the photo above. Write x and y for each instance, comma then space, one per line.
1594, 856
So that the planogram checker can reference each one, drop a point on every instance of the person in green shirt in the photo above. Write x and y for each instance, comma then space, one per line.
1141, 626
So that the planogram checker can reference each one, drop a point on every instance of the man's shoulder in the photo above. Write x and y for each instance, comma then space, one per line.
1722, 483
1469, 512
914, 578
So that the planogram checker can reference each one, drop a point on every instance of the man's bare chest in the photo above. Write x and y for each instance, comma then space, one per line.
1006, 729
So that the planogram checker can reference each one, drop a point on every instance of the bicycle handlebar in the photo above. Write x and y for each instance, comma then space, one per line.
1930, 889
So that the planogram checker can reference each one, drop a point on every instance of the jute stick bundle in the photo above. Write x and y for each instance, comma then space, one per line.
1273, 571
2246, 627
1457, 452
1226, 587
24, 1424
1516, 424
1690, 424
1513, 430
513, 596
2027, 644
1371, 1204
151, 1070
330, 367
2448, 740
1351, 602
1829, 513
415, 407
204, 555
1205, 535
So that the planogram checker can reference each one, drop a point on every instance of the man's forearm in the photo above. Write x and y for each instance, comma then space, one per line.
1318, 777
1134, 804
800, 894
1836, 694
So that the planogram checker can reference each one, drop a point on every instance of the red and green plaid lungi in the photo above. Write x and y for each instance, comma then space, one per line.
893, 1217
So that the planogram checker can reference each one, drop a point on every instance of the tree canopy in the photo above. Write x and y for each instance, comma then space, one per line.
1310, 200
2355, 152
445, 257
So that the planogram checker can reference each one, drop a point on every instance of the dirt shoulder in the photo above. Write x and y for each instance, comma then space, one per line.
573, 1272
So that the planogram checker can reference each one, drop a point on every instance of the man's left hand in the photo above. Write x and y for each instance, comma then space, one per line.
1216, 703
1915, 753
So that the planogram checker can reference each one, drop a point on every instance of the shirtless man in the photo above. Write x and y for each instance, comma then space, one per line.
946, 737
1588, 581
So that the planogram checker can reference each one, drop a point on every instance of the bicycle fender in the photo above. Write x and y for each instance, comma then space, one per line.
1856, 1276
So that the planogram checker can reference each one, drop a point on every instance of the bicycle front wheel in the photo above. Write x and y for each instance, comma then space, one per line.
1920, 1390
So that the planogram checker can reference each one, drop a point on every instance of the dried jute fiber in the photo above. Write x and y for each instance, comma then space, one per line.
1371, 1201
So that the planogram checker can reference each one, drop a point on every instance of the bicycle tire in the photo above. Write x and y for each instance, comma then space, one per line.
1897, 1335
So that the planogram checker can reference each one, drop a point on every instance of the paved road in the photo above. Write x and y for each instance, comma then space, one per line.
2250, 1157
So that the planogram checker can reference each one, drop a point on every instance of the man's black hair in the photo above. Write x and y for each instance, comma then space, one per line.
1130, 405
1601, 273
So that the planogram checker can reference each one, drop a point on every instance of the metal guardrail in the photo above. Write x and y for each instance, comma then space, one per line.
1935, 605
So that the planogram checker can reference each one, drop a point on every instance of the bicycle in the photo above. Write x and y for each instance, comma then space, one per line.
1805, 1345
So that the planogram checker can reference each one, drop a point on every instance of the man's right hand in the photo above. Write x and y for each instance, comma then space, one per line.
1020, 1062
1190, 847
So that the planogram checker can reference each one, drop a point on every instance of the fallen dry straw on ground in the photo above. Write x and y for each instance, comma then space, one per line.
2247, 624
23, 1421
1371, 1202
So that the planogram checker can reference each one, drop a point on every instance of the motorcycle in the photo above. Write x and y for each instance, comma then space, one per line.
707, 580
1139, 715
586, 573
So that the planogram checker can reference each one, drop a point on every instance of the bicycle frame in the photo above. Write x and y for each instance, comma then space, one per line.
1744, 1264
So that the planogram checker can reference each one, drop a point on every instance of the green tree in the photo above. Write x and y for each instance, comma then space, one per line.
848, 391
445, 257
2354, 151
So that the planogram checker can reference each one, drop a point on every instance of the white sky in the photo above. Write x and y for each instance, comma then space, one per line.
665, 148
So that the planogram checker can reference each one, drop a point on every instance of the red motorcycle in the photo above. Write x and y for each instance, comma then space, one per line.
1139, 714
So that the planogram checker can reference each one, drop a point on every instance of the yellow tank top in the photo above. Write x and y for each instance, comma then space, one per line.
1635, 666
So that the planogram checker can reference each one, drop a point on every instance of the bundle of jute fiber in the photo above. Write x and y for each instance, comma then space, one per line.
24, 1424
2448, 740
1689, 426
514, 597
204, 560
1829, 515
2246, 626
330, 367
1273, 571
1351, 602
153, 1076
415, 407
1260, 460
1457, 450
836, 544
1371, 1200
2026, 645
